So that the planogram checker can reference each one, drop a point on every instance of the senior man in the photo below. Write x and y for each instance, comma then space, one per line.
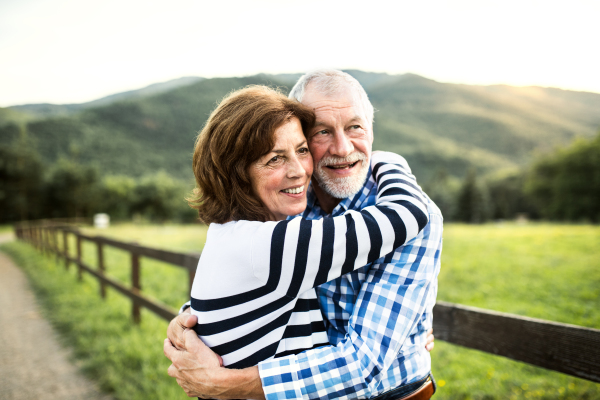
377, 317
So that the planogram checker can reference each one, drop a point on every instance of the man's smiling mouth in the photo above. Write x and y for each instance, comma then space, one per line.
342, 166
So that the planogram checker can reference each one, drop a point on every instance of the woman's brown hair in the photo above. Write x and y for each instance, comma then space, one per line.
238, 132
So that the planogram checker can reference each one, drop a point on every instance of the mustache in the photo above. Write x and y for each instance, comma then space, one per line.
350, 158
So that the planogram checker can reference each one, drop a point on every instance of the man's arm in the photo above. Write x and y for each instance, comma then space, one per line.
391, 303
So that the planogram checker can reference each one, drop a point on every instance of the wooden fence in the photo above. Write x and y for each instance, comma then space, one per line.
570, 349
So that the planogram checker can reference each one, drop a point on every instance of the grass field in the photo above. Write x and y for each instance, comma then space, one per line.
545, 271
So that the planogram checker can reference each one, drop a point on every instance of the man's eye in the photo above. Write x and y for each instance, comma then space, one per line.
355, 127
323, 132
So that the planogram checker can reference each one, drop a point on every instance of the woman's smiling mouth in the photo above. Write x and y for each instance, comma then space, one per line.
296, 190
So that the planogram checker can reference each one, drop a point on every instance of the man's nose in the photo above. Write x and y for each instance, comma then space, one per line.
341, 145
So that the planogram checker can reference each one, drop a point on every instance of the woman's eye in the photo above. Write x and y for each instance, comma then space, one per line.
274, 160
303, 150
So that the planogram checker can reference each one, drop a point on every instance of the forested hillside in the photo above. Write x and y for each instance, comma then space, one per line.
436, 126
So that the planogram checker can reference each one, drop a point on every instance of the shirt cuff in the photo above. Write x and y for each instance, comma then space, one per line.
279, 378
185, 307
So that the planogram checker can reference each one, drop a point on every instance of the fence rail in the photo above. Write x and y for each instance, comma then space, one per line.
44, 235
570, 349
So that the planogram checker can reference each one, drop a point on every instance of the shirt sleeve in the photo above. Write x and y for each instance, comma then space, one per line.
390, 304
307, 253
184, 307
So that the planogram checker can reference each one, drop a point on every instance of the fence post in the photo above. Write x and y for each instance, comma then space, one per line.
66, 248
42, 240
79, 270
55, 243
135, 283
101, 268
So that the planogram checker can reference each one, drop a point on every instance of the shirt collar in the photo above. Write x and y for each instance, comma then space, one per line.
349, 203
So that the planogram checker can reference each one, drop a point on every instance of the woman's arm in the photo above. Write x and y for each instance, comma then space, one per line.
307, 253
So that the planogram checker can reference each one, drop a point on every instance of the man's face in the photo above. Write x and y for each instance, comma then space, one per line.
340, 142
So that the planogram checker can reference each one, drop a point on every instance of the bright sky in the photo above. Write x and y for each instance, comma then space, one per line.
71, 51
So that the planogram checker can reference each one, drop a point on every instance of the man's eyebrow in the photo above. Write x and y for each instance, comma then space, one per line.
357, 118
320, 123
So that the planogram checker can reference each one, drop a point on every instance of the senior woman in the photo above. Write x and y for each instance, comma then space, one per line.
254, 288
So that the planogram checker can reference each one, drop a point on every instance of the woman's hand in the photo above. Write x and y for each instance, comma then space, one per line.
430, 340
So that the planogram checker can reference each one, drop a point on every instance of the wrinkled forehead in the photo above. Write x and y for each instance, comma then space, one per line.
343, 100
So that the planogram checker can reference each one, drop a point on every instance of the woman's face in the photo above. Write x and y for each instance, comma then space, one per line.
280, 178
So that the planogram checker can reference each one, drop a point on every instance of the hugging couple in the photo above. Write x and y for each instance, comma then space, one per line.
319, 273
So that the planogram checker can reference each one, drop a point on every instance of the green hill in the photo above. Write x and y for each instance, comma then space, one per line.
434, 125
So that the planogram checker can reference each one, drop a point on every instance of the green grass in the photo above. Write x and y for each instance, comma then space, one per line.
545, 271
5, 229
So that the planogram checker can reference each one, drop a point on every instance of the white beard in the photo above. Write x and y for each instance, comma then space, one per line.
340, 188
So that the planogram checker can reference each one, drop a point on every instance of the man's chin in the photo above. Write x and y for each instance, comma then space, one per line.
341, 188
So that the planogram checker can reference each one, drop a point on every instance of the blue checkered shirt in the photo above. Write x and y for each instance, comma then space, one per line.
377, 319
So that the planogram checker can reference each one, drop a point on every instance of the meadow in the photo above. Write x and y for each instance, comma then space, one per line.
548, 271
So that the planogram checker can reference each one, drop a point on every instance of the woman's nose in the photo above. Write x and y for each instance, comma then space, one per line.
295, 168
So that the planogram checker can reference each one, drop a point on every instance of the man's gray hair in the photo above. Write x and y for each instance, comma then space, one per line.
329, 82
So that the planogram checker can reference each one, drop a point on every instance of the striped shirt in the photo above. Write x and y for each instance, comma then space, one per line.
254, 288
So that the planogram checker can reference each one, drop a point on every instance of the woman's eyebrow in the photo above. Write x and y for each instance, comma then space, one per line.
301, 144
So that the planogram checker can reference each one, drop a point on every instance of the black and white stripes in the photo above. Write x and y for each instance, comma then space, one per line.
253, 293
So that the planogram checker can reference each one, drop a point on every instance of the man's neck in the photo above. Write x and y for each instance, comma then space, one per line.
326, 201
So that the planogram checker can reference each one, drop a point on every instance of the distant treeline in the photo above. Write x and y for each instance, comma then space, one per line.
563, 185
30, 189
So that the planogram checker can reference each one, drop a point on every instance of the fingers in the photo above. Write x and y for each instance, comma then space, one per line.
430, 346
172, 371
176, 328
169, 350
192, 341
189, 321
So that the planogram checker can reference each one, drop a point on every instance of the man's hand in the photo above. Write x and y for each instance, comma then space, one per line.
193, 368
430, 338
177, 327
200, 373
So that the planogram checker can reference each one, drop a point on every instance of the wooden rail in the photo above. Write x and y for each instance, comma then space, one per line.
44, 235
570, 349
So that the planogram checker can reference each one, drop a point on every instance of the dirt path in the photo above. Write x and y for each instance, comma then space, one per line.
32, 363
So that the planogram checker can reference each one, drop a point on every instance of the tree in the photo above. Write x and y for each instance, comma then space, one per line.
161, 197
21, 182
118, 196
565, 185
508, 198
72, 190
443, 191
472, 204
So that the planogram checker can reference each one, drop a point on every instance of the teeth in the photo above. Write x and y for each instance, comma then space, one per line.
297, 190
346, 166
